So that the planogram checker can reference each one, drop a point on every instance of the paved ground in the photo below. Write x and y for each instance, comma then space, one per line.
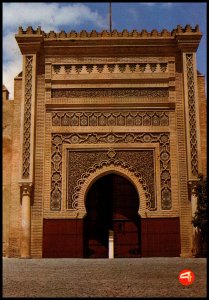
142, 277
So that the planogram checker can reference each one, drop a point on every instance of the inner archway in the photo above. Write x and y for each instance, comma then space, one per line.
112, 204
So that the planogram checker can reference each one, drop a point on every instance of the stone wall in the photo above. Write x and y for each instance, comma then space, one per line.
8, 106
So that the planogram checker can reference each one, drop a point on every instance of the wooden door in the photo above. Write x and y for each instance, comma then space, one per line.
62, 238
126, 222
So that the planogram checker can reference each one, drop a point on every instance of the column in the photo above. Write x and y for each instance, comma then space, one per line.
26, 222
195, 230
111, 244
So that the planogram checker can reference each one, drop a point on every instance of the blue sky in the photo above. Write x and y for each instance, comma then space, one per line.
77, 16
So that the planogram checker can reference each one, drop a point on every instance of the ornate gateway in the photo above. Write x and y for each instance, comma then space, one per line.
110, 139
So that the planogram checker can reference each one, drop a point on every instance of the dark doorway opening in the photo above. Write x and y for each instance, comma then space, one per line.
112, 203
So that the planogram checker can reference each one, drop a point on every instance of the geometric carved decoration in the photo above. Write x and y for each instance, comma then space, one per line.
192, 114
81, 164
27, 118
109, 68
58, 139
111, 92
110, 118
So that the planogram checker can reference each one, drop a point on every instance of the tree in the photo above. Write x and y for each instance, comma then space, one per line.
200, 218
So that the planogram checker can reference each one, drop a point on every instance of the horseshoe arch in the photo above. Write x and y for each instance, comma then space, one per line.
139, 184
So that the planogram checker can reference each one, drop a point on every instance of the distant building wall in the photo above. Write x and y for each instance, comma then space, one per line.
15, 216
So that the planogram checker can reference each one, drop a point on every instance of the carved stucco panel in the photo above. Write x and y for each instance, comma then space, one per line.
27, 118
81, 164
110, 118
72, 69
107, 169
110, 92
192, 114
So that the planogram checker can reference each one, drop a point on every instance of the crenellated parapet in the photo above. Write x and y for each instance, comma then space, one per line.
135, 42
113, 34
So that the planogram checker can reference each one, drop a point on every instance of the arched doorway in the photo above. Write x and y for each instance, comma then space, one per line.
112, 203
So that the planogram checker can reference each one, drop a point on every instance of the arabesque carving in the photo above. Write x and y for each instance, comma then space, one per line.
192, 114
83, 163
110, 92
109, 162
59, 139
27, 118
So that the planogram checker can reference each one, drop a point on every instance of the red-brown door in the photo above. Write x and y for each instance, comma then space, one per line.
112, 204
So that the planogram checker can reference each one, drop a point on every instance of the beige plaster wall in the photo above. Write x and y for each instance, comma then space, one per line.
15, 216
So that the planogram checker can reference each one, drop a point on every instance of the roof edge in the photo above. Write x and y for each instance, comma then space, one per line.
113, 34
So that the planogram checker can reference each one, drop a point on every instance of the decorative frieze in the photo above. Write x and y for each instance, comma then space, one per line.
110, 138
110, 92
72, 69
110, 118
106, 60
192, 114
27, 118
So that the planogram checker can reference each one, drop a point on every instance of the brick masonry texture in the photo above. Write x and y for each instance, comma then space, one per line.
15, 208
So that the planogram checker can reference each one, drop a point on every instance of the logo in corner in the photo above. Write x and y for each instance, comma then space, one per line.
186, 277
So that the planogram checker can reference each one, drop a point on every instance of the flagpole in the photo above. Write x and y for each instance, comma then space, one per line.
110, 14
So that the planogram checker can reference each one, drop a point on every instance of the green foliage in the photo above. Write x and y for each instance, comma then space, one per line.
200, 217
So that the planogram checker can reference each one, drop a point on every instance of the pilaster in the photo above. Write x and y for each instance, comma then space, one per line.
188, 42
192, 115
29, 49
